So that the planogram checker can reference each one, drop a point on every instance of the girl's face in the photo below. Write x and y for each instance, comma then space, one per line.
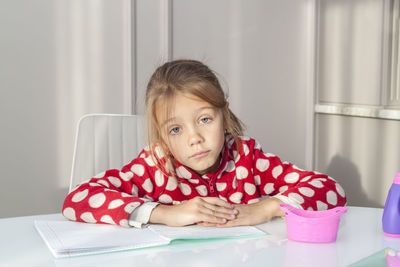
194, 133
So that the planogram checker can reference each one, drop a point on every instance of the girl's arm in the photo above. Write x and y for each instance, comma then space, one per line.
283, 182
111, 197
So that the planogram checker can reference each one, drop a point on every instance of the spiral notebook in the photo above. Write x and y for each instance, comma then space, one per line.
67, 239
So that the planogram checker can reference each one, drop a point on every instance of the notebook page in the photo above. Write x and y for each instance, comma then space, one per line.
201, 232
72, 237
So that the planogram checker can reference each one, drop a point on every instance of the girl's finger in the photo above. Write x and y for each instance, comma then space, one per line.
219, 211
207, 224
218, 202
207, 218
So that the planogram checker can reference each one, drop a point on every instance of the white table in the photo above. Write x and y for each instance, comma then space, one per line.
359, 236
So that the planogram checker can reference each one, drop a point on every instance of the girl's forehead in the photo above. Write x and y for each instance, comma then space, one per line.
179, 104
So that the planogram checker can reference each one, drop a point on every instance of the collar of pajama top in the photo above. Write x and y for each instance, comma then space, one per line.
208, 179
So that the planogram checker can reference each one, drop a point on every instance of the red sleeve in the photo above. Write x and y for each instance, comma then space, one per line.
310, 190
110, 197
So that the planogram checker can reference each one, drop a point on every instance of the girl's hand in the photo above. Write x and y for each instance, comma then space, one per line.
251, 214
197, 210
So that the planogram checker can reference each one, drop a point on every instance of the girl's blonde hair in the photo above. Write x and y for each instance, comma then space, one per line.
188, 77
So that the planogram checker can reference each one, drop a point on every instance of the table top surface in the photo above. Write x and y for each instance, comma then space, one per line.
360, 235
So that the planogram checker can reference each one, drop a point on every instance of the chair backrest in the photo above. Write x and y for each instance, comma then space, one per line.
105, 141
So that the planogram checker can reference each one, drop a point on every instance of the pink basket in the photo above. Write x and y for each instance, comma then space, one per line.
312, 226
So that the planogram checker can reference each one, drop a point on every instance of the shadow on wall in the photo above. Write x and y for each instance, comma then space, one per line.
346, 173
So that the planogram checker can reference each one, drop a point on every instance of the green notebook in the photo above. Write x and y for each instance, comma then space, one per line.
377, 259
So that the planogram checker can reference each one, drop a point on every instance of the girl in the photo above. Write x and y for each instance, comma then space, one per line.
198, 168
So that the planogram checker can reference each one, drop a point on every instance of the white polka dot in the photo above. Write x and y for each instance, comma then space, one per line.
262, 164
292, 177
202, 190
246, 149
296, 197
316, 183
107, 219
310, 208
305, 179
159, 177
234, 183
321, 179
150, 161
257, 179
340, 190
103, 183
321, 205
165, 199
94, 184
244, 138
308, 192
69, 213
331, 197
115, 204
131, 206
125, 194
97, 200
269, 188
241, 172
236, 197
183, 172
114, 181
194, 181
223, 198
269, 155
257, 145
231, 166
100, 175
159, 152
143, 155
80, 195
283, 188
135, 190
171, 184
148, 185
124, 223
88, 217
250, 189
126, 176
186, 190
221, 186
236, 155
277, 171
252, 201
297, 168
137, 169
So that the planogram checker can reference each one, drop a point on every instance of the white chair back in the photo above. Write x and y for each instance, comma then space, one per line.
105, 141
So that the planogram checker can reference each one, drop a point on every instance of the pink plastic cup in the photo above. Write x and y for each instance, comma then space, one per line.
312, 226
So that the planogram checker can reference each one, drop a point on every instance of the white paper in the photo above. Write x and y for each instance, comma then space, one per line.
67, 238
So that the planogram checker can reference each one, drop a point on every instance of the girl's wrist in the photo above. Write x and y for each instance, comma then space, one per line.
272, 207
158, 214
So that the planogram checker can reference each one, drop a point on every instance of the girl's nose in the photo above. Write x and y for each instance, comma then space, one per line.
195, 138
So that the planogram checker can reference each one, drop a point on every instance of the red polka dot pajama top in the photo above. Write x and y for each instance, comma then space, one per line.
126, 197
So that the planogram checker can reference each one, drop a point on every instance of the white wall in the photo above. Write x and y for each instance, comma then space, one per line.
362, 153
62, 59
59, 60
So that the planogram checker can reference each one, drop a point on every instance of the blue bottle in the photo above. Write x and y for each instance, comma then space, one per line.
391, 213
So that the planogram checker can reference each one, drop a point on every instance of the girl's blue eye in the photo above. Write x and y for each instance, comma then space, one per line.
174, 130
205, 120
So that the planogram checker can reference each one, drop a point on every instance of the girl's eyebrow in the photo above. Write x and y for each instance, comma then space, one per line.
197, 111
